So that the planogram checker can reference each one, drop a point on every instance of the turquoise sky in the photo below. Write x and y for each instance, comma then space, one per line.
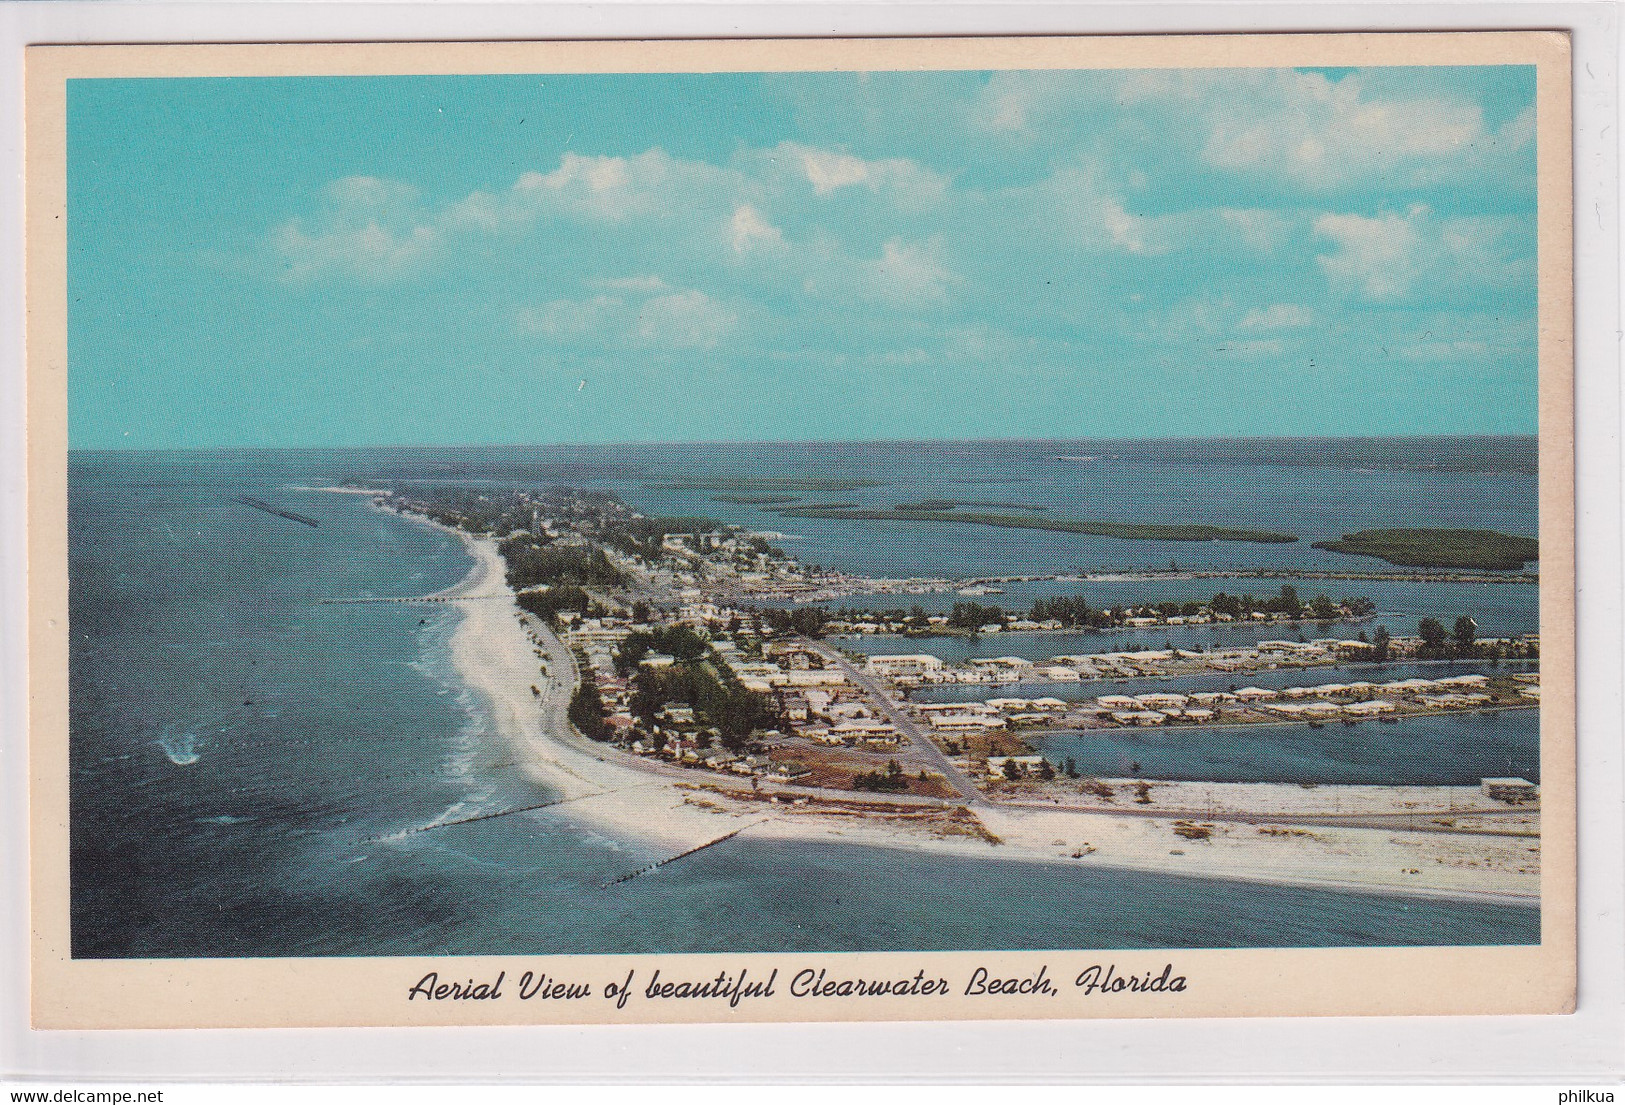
324, 262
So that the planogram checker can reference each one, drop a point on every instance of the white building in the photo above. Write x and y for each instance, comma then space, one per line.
904, 664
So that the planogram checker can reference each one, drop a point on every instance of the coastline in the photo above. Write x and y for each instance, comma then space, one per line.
643, 804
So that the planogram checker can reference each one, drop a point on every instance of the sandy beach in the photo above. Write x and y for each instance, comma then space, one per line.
502, 658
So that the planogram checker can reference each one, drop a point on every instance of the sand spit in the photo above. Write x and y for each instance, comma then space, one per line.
662, 807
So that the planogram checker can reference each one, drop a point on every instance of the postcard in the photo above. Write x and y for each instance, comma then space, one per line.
704, 531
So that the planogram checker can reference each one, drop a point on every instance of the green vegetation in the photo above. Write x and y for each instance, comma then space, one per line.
806, 621
587, 712
1123, 531
1440, 548
755, 500
954, 504
1075, 612
892, 779
1462, 643
677, 641
506, 513
532, 565
717, 697
642, 537
549, 604
973, 615
765, 484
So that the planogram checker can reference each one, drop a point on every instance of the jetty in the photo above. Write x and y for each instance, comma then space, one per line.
260, 504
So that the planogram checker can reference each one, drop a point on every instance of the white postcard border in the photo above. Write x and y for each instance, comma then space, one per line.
1596, 412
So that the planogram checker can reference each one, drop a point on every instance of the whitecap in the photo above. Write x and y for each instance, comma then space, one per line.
181, 750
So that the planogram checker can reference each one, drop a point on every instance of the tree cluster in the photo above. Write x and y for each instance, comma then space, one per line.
1437, 644
551, 603
722, 701
973, 615
677, 641
645, 537
587, 712
804, 621
532, 565
892, 779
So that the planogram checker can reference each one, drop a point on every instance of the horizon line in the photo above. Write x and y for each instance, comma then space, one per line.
793, 442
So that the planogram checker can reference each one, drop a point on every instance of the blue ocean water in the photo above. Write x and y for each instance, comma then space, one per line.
239, 747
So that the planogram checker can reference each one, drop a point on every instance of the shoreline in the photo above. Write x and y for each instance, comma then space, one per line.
644, 804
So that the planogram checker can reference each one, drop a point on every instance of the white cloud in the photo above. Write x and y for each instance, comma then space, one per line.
908, 182
910, 272
646, 284
1323, 133
1126, 230
1258, 229
1014, 103
748, 230
827, 171
1079, 202
684, 320
1448, 352
371, 251
364, 228
1302, 128
370, 192
565, 318
378, 228
1375, 255
601, 187
651, 315
1385, 257
1277, 316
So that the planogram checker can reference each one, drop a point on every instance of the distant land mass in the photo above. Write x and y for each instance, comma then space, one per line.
1127, 531
1439, 548
1510, 453
752, 485
952, 504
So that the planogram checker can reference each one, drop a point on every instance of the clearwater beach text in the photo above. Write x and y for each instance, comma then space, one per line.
732, 987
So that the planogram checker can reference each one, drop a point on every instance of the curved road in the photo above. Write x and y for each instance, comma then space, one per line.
564, 676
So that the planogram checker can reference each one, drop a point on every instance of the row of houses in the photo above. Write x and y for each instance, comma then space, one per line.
684, 750
915, 669
1329, 700
834, 715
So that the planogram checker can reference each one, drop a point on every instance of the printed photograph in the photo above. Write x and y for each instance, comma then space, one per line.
622, 513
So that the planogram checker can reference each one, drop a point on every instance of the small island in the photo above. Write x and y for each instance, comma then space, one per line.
952, 504
1440, 548
752, 485
1127, 531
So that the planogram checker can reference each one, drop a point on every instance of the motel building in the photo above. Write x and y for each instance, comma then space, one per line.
1139, 717
904, 664
1509, 789
966, 723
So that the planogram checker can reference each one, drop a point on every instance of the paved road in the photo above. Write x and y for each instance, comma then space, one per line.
563, 678
906, 725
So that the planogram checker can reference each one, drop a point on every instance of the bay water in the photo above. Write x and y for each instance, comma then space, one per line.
248, 756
